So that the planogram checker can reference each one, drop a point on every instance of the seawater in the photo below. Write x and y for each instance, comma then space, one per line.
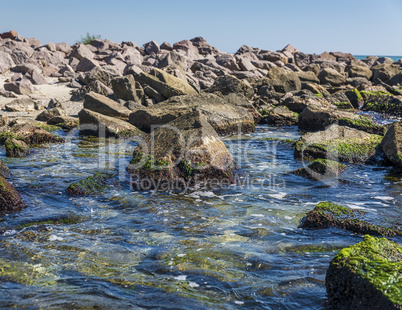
394, 58
234, 248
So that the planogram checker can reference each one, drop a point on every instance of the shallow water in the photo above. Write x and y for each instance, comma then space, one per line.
233, 248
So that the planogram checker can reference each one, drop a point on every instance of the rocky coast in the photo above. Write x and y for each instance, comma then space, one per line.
177, 104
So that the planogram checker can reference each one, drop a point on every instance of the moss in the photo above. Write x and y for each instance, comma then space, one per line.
311, 248
148, 161
342, 105
319, 95
57, 221
321, 168
290, 141
91, 185
365, 124
190, 168
264, 112
369, 93
333, 208
378, 261
48, 128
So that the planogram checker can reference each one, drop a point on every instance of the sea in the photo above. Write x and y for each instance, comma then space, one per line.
394, 58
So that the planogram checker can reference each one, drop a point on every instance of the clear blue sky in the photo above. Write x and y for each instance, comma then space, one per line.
356, 26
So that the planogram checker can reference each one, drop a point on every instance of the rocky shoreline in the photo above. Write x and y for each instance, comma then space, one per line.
179, 100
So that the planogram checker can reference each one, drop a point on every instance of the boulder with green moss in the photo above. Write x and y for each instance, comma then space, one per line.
363, 123
16, 148
321, 169
33, 135
392, 144
355, 98
366, 275
382, 101
326, 215
185, 152
10, 199
92, 185
340, 100
282, 116
339, 143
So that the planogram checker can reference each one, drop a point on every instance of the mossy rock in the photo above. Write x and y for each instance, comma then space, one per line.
355, 98
367, 275
92, 185
4, 170
343, 105
364, 124
327, 214
382, 102
320, 169
16, 148
10, 199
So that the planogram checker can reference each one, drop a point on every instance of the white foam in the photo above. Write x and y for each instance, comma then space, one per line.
193, 284
181, 278
280, 195
55, 238
385, 198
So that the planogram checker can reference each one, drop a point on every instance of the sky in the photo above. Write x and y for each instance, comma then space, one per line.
361, 27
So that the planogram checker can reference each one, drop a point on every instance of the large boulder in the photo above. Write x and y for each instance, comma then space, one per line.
165, 84
339, 143
127, 88
392, 144
186, 152
21, 105
33, 135
101, 104
281, 116
22, 87
366, 276
228, 84
298, 104
360, 71
318, 118
6, 62
94, 86
284, 81
96, 124
385, 72
227, 115
16, 148
331, 76
82, 51
10, 199
50, 113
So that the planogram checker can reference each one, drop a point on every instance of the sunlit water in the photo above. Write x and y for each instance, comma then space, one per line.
233, 248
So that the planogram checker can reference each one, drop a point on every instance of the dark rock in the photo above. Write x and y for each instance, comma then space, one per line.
16, 148
340, 100
166, 46
392, 144
365, 276
90, 186
50, 113
331, 76
94, 86
4, 170
321, 169
9, 35
65, 122
93, 123
228, 84
33, 135
282, 116
152, 47
152, 93
10, 199
101, 104
298, 104
186, 152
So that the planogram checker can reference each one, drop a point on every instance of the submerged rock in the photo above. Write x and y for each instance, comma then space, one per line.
92, 185
326, 215
339, 143
366, 275
10, 199
185, 152
4, 170
321, 169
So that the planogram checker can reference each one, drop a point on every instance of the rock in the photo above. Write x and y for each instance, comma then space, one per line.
10, 199
82, 51
4, 170
227, 61
339, 143
308, 76
94, 86
321, 169
246, 65
282, 116
50, 113
283, 81
355, 98
382, 102
3, 120
105, 75
318, 118
21, 105
228, 115
36, 78
204, 48
360, 71
365, 276
9, 35
166, 46
364, 124
186, 152
7, 94
326, 215
165, 84
92, 185
16, 148
86, 64
93, 123
152, 47
26, 68
228, 84
63, 47
331, 76
152, 93
340, 100
6, 62
384, 72
33, 135
298, 104
101, 104
23, 87
392, 144
65, 122
127, 89
396, 80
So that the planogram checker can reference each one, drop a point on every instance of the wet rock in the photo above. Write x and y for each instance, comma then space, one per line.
93, 123
392, 144
326, 215
10, 199
127, 88
33, 135
90, 186
227, 115
321, 169
65, 122
50, 113
186, 152
165, 84
101, 104
282, 116
228, 84
315, 118
4, 170
339, 143
355, 98
382, 102
364, 124
16, 148
366, 276
332, 77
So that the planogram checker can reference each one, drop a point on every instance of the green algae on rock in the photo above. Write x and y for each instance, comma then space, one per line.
91, 185
367, 275
327, 214
364, 124
16, 148
321, 168
392, 144
10, 199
